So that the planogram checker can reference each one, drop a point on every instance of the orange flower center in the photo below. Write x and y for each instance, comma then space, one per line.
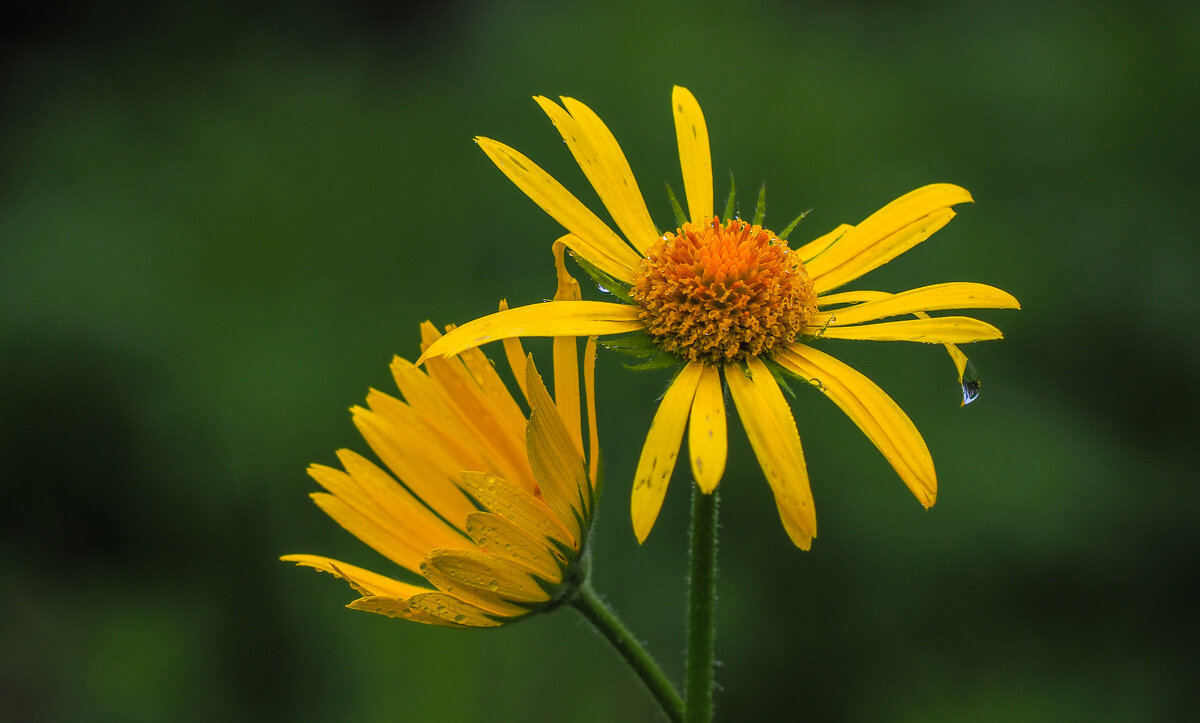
718, 293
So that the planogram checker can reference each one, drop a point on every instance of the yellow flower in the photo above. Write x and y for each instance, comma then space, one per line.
495, 507
729, 299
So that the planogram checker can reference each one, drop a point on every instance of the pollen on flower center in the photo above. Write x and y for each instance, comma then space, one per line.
717, 293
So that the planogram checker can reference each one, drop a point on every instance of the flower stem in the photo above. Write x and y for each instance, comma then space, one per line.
702, 607
601, 616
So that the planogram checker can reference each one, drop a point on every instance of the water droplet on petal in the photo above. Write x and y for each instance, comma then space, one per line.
970, 384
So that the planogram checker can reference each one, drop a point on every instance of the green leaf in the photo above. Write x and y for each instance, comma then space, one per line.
680, 218
605, 282
760, 209
791, 226
729, 202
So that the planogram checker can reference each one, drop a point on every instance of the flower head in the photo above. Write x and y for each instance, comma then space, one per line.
493, 507
738, 308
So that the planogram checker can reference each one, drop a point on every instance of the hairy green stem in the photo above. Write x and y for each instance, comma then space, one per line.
601, 616
702, 605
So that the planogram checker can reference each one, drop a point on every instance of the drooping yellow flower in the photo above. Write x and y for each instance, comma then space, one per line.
495, 507
731, 300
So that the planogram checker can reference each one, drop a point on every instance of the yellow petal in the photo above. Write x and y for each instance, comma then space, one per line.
958, 295
854, 297
695, 160
487, 574
549, 318
519, 507
850, 297
363, 581
707, 439
600, 157
661, 450
515, 353
880, 418
557, 464
446, 607
595, 241
937, 330
772, 432
566, 356
395, 607
412, 518
886, 234
471, 575
589, 388
378, 537
502, 538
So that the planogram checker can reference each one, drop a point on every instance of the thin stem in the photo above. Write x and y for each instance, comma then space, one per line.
702, 629
601, 616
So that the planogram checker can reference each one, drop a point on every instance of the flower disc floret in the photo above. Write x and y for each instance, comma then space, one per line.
717, 292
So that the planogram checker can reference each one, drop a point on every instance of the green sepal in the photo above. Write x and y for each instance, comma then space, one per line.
760, 208
662, 360
680, 218
791, 226
777, 372
831, 243
636, 344
729, 201
605, 282
781, 375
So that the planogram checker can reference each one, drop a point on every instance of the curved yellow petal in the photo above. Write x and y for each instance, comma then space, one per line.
397, 607
880, 418
589, 389
503, 538
363, 581
955, 295
514, 352
557, 463
566, 355
772, 432
695, 158
602, 161
886, 234
595, 241
446, 607
662, 449
935, 330
492, 583
707, 439
498, 496
549, 318
854, 297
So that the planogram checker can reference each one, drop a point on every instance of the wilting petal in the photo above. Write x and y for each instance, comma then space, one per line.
880, 418
707, 439
695, 159
662, 449
772, 432
549, 318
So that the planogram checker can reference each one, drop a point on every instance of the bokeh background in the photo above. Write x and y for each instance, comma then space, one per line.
218, 224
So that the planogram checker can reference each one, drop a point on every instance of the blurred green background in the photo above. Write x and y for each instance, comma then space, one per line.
218, 224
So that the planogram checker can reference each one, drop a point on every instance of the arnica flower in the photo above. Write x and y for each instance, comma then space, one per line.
731, 300
495, 507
